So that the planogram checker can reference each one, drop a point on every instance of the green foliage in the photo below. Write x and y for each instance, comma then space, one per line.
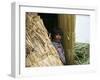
81, 53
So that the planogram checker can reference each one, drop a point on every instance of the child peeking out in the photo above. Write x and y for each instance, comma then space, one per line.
56, 40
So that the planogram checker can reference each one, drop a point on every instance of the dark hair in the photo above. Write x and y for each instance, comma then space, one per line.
55, 32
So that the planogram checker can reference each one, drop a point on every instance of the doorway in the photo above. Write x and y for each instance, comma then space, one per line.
66, 23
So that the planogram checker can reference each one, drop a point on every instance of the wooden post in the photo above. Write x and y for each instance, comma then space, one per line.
67, 25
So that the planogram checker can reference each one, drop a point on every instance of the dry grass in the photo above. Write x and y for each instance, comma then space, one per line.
39, 48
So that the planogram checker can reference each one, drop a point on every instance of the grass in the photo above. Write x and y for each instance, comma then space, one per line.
82, 53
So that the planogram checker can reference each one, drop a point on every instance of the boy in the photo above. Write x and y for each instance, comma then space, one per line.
56, 40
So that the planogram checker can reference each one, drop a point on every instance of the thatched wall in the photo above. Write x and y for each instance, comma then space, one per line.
39, 48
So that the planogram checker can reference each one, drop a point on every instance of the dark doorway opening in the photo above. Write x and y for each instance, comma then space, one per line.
50, 21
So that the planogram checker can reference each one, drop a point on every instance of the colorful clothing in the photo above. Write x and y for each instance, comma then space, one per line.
60, 51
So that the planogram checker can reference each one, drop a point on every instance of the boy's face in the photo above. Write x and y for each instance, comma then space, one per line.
58, 37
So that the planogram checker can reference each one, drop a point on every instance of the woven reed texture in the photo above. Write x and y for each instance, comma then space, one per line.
39, 48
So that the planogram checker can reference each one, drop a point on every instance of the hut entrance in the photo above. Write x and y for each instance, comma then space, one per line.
66, 23
50, 21
39, 51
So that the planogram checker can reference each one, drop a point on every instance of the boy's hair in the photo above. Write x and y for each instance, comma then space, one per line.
55, 32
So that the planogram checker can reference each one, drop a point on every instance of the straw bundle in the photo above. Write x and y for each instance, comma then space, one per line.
39, 48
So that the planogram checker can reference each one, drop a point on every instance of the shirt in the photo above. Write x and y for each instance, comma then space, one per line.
60, 51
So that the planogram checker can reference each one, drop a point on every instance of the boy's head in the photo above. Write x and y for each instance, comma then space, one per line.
56, 34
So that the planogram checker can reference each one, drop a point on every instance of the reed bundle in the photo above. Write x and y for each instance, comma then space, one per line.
39, 48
